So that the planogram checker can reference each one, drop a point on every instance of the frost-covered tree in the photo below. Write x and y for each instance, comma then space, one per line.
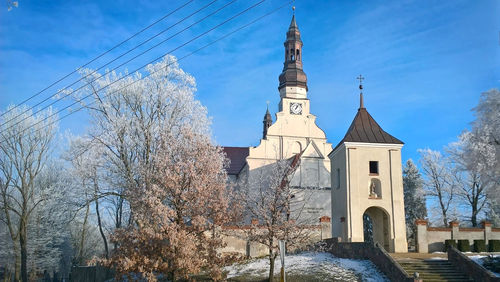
47, 228
471, 179
480, 150
268, 199
128, 112
89, 176
24, 153
178, 212
438, 183
414, 197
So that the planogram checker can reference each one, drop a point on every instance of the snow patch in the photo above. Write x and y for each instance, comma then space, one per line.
324, 265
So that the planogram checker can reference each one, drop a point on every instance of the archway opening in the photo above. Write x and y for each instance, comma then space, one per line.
376, 227
367, 228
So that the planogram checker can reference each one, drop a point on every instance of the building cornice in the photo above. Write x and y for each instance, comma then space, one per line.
350, 145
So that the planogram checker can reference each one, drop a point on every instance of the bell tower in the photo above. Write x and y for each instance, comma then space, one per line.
367, 184
293, 80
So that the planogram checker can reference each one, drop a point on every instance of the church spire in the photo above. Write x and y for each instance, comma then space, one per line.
361, 102
293, 74
268, 121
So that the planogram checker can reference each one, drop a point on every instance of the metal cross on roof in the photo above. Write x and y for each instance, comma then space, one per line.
360, 78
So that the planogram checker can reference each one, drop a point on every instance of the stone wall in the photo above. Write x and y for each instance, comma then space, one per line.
368, 251
431, 239
474, 270
238, 242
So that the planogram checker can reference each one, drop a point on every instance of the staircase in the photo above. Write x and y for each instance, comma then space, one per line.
432, 269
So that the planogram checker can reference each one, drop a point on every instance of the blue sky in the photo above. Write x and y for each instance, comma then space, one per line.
425, 62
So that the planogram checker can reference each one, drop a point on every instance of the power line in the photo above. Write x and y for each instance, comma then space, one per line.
185, 56
122, 64
86, 64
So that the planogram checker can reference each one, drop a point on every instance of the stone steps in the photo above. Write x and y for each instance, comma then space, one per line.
432, 270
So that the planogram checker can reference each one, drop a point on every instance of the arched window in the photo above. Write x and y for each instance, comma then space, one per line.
292, 57
298, 55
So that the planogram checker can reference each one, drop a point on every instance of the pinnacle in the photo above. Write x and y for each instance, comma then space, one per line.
293, 24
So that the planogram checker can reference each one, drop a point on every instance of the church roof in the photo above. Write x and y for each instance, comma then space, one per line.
237, 157
365, 129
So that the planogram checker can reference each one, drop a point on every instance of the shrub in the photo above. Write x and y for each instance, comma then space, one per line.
494, 245
464, 245
448, 243
479, 246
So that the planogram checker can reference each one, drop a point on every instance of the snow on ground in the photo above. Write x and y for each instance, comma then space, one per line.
478, 259
322, 265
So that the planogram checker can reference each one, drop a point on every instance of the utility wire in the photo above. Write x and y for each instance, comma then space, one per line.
185, 56
133, 58
91, 61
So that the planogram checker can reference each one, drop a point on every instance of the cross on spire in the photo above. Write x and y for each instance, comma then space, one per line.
360, 78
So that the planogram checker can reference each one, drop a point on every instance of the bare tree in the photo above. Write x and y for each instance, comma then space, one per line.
472, 182
438, 181
269, 199
87, 163
24, 152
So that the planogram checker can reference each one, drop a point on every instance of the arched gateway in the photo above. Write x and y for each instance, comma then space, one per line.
376, 226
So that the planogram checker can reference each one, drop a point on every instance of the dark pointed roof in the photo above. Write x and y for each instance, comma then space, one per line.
293, 73
293, 32
365, 129
267, 116
237, 157
293, 24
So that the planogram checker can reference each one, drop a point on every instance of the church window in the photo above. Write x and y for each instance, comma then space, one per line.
298, 54
373, 167
291, 55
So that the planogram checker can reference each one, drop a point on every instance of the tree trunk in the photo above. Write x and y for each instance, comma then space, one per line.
24, 253
443, 212
17, 267
82, 240
100, 228
271, 265
473, 218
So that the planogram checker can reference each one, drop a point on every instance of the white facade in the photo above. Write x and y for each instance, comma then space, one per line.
357, 192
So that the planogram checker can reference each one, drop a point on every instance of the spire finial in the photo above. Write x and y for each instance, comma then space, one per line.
360, 78
267, 102
293, 9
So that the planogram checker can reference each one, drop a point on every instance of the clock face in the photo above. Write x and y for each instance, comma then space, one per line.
296, 108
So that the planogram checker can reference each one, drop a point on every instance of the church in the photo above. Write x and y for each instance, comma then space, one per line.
358, 180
